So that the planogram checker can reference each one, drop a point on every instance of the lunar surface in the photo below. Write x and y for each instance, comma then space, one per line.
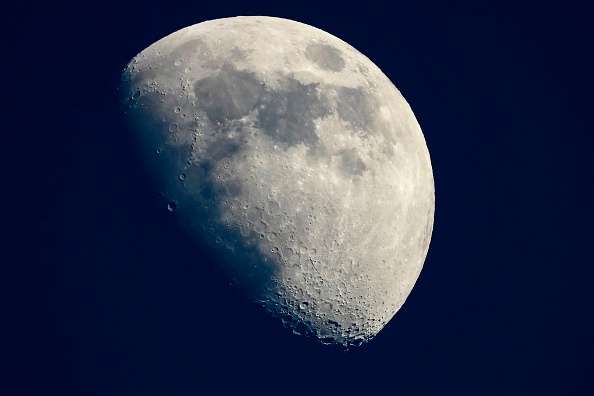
295, 161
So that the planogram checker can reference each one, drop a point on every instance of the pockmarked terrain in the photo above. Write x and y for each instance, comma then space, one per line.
293, 158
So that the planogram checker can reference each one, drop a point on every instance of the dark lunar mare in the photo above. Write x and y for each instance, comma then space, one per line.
222, 113
287, 115
354, 106
228, 95
325, 56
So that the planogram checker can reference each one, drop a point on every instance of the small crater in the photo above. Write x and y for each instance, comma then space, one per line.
272, 208
332, 324
171, 206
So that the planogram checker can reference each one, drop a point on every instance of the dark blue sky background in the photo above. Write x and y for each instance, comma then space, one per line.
105, 296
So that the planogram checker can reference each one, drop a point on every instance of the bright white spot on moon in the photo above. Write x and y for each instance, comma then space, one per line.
291, 156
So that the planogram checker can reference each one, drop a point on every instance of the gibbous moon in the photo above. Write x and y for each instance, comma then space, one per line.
293, 159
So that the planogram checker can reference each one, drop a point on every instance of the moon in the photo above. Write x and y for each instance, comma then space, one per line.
292, 158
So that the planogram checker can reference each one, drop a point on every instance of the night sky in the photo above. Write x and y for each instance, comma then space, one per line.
105, 295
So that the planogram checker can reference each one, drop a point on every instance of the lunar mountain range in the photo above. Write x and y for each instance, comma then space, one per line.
295, 161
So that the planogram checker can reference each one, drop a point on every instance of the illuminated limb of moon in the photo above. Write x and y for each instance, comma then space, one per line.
291, 156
